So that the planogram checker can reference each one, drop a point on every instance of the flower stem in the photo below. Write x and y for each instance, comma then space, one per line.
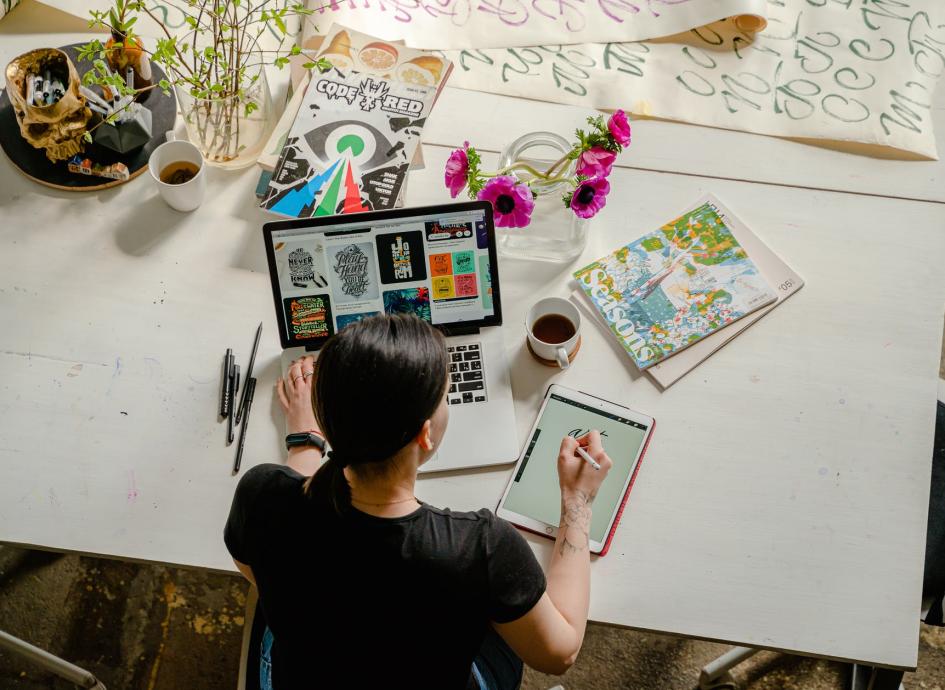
557, 164
527, 168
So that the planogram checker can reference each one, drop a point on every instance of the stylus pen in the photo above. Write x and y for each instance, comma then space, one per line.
225, 389
249, 373
234, 386
591, 461
250, 389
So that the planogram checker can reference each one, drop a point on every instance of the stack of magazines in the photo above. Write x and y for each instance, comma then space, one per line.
349, 135
676, 295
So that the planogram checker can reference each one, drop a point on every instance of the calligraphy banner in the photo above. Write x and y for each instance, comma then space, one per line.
6, 6
451, 24
846, 70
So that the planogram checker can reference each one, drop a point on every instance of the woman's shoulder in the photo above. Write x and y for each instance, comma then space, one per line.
482, 521
268, 479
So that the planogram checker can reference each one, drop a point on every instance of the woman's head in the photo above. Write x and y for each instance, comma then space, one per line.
380, 386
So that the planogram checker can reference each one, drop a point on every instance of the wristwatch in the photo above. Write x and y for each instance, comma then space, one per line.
306, 438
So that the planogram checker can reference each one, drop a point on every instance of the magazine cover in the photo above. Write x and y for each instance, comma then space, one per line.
351, 50
350, 146
673, 287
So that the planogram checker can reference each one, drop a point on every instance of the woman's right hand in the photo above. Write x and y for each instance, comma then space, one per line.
575, 475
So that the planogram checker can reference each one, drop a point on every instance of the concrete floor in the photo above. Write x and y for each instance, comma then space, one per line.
143, 627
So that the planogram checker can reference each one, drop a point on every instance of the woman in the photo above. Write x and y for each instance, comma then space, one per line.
363, 585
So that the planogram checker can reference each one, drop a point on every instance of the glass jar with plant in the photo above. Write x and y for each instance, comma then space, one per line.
217, 67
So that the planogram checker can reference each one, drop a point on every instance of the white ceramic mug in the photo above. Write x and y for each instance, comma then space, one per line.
554, 352
188, 195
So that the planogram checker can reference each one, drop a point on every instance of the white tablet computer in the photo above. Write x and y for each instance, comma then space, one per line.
532, 500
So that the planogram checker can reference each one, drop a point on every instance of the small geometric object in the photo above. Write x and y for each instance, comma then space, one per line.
125, 136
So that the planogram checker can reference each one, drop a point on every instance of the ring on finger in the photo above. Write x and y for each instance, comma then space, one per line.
296, 378
307, 374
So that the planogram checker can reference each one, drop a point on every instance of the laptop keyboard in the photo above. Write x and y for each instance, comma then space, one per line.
467, 379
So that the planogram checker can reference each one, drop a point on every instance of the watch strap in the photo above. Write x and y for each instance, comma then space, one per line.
305, 438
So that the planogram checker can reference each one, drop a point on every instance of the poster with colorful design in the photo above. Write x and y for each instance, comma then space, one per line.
400, 257
308, 318
347, 319
414, 301
350, 146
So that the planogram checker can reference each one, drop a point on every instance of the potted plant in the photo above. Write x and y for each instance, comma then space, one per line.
216, 67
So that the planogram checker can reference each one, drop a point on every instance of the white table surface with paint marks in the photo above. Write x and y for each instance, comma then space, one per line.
782, 502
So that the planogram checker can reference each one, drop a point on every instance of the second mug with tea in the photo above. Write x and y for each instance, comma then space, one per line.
177, 169
553, 328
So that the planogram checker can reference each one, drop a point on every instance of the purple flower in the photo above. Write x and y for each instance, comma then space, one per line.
595, 162
619, 128
589, 197
457, 166
511, 200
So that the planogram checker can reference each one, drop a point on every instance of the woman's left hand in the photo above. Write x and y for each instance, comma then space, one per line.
295, 395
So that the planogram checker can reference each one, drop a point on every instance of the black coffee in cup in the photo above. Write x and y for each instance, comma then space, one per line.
553, 329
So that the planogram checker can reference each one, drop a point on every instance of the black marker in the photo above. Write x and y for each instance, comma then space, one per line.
225, 389
249, 373
250, 390
234, 386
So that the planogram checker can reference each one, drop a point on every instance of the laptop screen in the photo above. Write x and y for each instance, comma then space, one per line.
437, 262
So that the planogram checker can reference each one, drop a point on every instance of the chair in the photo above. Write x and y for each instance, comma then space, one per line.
716, 674
253, 627
50, 662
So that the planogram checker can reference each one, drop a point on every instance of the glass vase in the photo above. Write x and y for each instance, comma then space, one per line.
554, 233
228, 136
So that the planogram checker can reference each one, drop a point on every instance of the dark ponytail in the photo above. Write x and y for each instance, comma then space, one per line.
376, 382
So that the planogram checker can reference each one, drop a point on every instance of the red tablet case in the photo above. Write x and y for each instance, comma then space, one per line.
623, 503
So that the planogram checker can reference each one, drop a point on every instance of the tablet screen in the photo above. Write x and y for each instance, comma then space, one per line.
535, 492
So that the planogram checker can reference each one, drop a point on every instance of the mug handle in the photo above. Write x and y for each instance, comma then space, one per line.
170, 136
562, 356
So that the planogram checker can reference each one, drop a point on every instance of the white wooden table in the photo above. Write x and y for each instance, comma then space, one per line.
782, 503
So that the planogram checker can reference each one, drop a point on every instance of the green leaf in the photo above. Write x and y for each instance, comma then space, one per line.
296, 50
164, 84
87, 137
281, 24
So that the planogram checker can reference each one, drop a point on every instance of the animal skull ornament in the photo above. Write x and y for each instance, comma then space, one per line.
59, 127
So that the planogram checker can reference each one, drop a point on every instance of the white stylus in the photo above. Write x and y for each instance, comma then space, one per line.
583, 453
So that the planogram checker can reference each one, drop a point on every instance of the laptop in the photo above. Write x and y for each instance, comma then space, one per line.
437, 262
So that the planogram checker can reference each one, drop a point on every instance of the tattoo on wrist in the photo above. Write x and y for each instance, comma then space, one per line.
575, 522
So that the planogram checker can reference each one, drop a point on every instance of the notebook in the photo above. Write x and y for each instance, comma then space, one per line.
671, 288
780, 276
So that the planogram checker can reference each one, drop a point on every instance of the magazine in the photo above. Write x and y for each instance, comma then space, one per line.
350, 146
674, 286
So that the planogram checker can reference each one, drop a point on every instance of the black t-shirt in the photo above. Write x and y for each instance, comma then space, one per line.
362, 601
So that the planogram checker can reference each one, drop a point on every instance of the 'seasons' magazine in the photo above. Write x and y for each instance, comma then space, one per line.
350, 146
676, 285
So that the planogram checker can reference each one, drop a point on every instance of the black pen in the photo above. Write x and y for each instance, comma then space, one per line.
250, 389
234, 386
249, 373
225, 388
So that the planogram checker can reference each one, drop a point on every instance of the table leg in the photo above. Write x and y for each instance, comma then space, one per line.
872, 678
716, 672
